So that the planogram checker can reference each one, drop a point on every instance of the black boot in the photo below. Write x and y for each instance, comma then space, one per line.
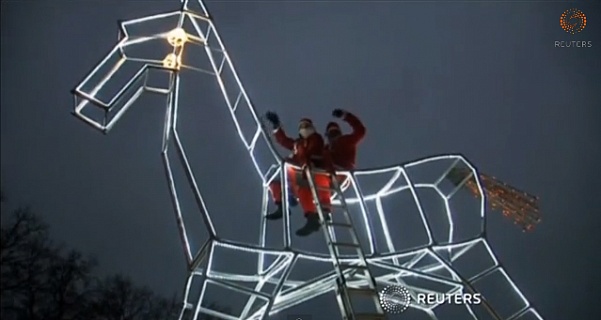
277, 213
311, 226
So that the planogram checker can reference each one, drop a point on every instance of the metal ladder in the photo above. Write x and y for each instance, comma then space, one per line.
345, 272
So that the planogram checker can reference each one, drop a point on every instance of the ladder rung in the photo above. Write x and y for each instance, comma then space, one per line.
346, 244
370, 316
340, 224
362, 291
352, 266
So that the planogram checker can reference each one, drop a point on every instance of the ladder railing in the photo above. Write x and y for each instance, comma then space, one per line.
344, 293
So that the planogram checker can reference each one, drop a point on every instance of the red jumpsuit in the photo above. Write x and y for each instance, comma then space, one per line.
305, 151
343, 150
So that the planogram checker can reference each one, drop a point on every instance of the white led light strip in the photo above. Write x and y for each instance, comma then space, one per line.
401, 264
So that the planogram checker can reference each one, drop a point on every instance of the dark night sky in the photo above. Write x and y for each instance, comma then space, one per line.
482, 79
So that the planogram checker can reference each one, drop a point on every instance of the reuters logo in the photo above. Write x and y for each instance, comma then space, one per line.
572, 21
395, 299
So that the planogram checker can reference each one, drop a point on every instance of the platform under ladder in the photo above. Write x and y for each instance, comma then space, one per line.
345, 271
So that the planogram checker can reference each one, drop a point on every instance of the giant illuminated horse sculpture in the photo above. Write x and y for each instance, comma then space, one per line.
412, 227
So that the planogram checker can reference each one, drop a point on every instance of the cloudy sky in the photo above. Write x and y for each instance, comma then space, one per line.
481, 79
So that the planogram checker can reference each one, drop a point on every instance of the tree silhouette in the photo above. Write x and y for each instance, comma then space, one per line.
44, 281
118, 298
26, 259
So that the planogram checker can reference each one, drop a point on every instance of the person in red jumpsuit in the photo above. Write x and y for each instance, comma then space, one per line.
307, 150
341, 149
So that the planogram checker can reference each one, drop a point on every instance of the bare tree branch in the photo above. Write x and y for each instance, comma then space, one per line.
43, 281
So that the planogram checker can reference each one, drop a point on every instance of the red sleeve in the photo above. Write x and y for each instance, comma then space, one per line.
283, 139
314, 147
358, 128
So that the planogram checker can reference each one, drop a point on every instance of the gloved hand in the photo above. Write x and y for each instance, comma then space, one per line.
273, 118
330, 169
305, 172
338, 113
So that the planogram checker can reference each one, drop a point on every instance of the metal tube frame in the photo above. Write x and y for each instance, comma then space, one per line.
288, 291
